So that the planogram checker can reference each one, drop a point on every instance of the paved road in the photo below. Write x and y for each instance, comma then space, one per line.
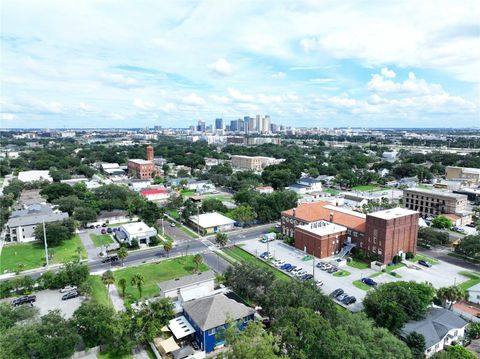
441, 253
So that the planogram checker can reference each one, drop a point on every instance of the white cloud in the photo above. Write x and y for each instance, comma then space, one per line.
412, 85
236, 95
221, 67
387, 73
142, 104
193, 100
321, 80
7, 116
279, 75
119, 80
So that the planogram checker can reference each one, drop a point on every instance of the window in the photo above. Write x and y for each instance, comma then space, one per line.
211, 331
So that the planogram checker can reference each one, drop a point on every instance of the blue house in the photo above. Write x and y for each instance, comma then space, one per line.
210, 316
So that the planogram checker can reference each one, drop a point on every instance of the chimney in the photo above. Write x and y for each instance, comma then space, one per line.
150, 155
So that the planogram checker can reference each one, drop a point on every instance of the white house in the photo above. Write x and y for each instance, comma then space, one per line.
135, 230
389, 155
209, 223
198, 284
440, 328
306, 185
264, 189
32, 176
383, 172
155, 194
474, 294
137, 185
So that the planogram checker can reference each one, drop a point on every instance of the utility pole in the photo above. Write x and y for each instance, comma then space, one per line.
45, 242
198, 220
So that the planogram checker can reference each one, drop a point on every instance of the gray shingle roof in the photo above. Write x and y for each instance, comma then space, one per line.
211, 312
435, 326
186, 281
35, 214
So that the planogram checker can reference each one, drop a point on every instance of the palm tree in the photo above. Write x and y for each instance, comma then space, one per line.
122, 254
197, 259
108, 278
450, 295
167, 247
221, 239
138, 280
122, 282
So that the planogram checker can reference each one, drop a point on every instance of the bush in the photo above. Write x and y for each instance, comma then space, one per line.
134, 244
397, 259
154, 241
409, 255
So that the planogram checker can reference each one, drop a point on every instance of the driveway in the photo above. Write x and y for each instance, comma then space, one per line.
214, 261
92, 251
176, 233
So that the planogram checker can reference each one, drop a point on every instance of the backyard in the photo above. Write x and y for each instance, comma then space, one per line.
100, 240
155, 273
32, 255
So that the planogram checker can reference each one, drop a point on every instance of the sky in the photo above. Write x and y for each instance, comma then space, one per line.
105, 63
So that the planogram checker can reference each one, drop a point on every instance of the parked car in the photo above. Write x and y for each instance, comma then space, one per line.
103, 231
332, 270
319, 283
172, 224
336, 292
424, 263
285, 266
110, 258
319, 264
341, 297
279, 263
23, 300
349, 300
68, 288
104, 224
300, 273
369, 281
92, 226
328, 266
291, 269
70, 295
109, 230
296, 270
307, 277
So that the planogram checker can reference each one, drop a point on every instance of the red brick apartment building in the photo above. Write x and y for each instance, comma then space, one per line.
323, 229
143, 169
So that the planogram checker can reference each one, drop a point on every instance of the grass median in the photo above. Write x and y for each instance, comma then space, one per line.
245, 257
100, 240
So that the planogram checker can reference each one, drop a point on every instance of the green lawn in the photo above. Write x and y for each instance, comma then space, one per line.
331, 191
474, 279
341, 273
245, 257
155, 273
355, 263
110, 356
425, 258
394, 267
100, 240
187, 192
360, 285
99, 291
173, 213
32, 255
367, 188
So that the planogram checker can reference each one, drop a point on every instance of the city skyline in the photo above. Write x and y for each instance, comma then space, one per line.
108, 64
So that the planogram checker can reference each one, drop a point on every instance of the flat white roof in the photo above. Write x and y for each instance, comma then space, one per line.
392, 213
180, 327
345, 210
214, 219
323, 228
35, 175
136, 227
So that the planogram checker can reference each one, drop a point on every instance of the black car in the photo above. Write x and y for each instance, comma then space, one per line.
109, 230
24, 299
349, 300
290, 269
336, 292
424, 263
307, 277
70, 295
110, 258
332, 270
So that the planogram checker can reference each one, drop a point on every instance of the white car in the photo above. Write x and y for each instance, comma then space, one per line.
296, 270
279, 263
68, 288
301, 273
172, 224
319, 283
328, 266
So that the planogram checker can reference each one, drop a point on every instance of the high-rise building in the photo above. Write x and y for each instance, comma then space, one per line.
258, 123
219, 124
234, 125
201, 126
241, 125
266, 124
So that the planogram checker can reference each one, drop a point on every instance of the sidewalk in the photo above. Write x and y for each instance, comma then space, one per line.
117, 301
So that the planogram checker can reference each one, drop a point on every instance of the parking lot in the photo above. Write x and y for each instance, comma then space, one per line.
295, 257
441, 274
52, 299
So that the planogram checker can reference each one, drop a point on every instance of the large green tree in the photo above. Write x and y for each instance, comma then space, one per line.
416, 343
94, 323
469, 246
